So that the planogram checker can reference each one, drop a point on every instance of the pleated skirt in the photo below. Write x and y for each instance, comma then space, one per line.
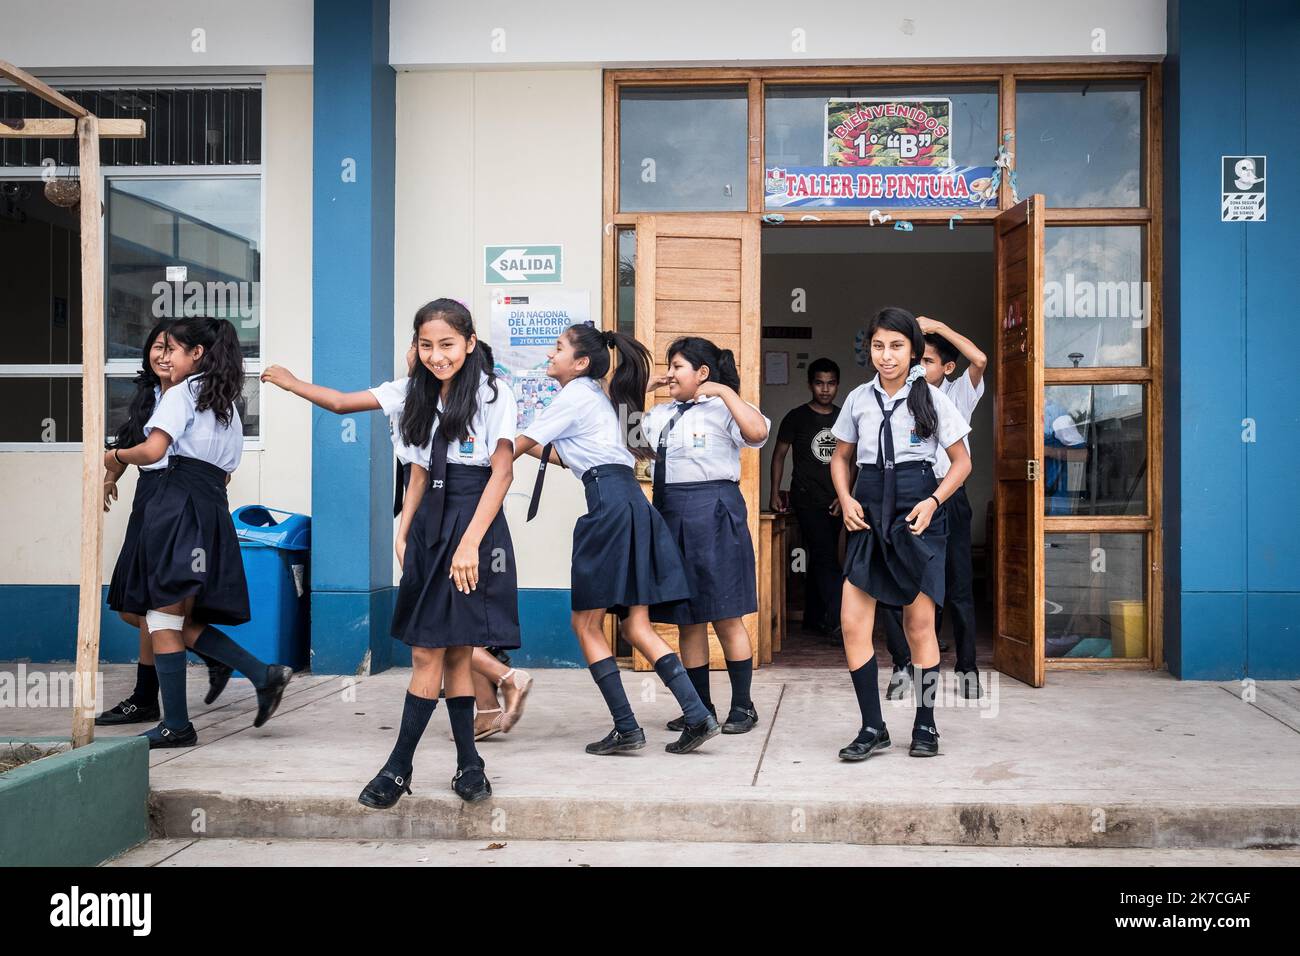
147, 483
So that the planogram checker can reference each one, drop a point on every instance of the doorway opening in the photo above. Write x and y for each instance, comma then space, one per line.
820, 284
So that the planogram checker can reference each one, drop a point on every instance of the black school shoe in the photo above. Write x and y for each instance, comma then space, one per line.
969, 683
741, 720
385, 790
471, 784
678, 724
615, 742
268, 697
867, 742
129, 712
163, 737
695, 735
218, 678
925, 742
900, 682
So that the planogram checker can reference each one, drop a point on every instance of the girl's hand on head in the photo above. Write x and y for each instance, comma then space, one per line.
854, 517
707, 388
110, 492
280, 376
656, 382
918, 519
464, 567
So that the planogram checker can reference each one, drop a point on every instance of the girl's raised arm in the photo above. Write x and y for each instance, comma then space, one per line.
330, 399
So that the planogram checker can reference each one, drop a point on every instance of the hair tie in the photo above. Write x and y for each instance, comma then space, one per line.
608, 338
916, 371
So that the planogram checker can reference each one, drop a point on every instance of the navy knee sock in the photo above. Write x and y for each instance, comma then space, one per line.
699, 677
216, 644
146, 685
460, 711
867, 688
742, 674
673, 674
605, 674
171, 680
927, 694
416, 712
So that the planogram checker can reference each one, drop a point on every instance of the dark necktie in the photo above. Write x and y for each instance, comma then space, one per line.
399, 488
437, 490
885, 460
536, 500
661, 455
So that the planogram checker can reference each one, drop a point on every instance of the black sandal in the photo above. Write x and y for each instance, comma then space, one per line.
385, 790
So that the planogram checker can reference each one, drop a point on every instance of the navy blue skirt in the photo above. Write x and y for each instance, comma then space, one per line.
623, 553
147, 483
187, 547
430, 611
709, 522
896, 566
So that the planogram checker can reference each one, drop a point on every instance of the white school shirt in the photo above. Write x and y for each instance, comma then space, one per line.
392, 399
705, 443
494, 421
197, 434
161, 463
859, 421
584, 427
965, 396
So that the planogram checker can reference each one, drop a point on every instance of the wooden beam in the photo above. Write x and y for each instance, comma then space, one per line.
50, 95
92, 434
67, 128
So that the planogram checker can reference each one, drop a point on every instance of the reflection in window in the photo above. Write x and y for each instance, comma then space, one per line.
794, 122
1094, 450
1096, 301
210, 228
1080, 143
1095, 595
627, 281
683, 150
121, 390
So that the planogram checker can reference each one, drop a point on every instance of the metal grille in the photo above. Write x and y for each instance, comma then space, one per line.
183, 127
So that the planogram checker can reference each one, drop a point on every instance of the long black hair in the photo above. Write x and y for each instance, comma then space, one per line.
131, 431
698, 351
222, 365
424, 388
631, 375
919, 403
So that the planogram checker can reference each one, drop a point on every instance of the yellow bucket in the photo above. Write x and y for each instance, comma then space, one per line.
1128, 628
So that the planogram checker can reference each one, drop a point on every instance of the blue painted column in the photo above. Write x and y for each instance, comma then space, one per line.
353, 105
1234, 595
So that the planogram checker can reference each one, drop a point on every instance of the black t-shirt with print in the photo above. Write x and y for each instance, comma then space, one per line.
809, 436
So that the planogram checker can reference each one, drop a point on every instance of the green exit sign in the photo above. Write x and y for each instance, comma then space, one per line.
522, 265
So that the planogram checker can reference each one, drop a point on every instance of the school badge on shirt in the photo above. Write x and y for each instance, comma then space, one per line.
698, 439
467, 447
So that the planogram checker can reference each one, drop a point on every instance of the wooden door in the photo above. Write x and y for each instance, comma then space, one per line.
698, 275
1018, 639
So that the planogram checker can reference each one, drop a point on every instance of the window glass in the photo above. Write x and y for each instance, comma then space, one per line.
40, 409
40, 278
1094, 450
1096, 302
627, 281
1095, 595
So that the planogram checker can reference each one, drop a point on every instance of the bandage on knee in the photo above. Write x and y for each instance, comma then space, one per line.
162, 621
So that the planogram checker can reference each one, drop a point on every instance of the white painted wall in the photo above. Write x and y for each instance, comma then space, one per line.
447, 33
490, 158
39, 506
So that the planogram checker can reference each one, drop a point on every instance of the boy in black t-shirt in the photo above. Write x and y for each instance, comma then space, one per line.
807, 430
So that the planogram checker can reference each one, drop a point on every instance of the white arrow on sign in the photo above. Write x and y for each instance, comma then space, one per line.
499, 264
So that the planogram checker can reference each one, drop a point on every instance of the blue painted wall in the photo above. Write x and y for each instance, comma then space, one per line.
1234, 562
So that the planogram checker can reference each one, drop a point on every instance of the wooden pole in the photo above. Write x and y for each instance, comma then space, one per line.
92, 434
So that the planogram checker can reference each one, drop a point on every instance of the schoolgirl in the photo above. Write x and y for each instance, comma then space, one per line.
697, 439
151, 381
491, 674
458, 587
624, 556
890, 429
185, 573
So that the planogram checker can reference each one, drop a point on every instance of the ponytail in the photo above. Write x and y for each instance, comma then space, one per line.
222, 365
700, 352
631, 375
919, 403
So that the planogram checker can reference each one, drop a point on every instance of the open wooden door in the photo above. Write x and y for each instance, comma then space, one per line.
1018, 639
698, 275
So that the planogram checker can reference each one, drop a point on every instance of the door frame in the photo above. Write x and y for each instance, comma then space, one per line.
1149, 217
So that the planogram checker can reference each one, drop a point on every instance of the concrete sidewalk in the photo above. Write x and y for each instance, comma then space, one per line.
1118, 759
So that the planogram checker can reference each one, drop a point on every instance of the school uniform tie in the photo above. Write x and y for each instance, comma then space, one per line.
399, 489
536, 500
661, 456
885, 460
437, 490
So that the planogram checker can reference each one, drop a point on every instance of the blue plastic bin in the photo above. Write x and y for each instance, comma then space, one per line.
275, 546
